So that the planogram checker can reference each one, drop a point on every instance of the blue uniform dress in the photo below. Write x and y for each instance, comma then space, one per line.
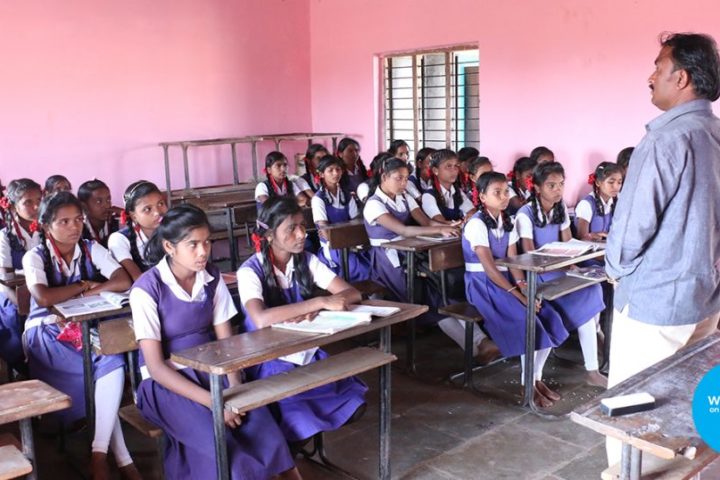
318, 410
503, 313
358, 262
55, 362
598, 223
11, 325
576, 308
256, 448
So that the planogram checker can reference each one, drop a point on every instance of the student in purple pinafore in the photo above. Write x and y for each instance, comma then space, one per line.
593, 214
496, 292
61, 267
348, 150
443, 201
181, 303
333, 204
278, 284
545, 219
19, 235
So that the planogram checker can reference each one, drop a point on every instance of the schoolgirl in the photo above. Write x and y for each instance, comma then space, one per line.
443, 202
476, 168
61, 267
332, 204
400, 149
420, 177
57, 183
593, 214
545, 219
278, 283
312, 158
100, 218
497, 292
277, 182
519, 178
348, 150
144, 210
180, 303
465, 156
361, 194
623, 159
542, 155
20, 209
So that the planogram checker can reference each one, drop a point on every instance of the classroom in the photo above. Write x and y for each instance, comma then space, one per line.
325, 239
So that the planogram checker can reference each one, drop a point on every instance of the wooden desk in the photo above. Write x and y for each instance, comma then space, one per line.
16, 282
668, 430
343, 237
89, 381
235, 213
245, 350
534, 264
410, 246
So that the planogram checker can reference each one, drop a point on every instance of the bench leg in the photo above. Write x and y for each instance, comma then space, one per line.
160, 447
28, 447
530, 341
467, 378
630, 462
410, 365
221, 455
385, 405
88, 378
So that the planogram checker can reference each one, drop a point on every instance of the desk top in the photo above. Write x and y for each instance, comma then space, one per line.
92, 316
668, 430
29, 399
11, 279
414, 244
532, 262
346, 234
248, 349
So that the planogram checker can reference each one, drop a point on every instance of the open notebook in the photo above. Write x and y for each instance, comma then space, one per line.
571, 248
328, 322
104, 302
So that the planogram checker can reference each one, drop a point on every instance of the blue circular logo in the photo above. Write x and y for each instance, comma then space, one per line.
706, 408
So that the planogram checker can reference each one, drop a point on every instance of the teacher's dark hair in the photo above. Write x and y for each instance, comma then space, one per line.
697, 54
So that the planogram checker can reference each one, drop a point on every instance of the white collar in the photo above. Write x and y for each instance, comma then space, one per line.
385, 198
605, 204
540, 210
103, 231
202, 278
67, 270
289, 268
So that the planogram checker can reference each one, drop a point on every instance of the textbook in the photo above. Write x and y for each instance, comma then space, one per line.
436, 237
590, 273
104, 302
327, 322
571, 248
375, 311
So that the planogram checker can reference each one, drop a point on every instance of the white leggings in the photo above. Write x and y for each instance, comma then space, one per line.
541, 357
455, 329
108, 432
587, 333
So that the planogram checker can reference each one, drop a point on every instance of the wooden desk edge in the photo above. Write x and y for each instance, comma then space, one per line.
512, 262
92, 316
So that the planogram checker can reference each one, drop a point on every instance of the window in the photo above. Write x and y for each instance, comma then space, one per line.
431, 98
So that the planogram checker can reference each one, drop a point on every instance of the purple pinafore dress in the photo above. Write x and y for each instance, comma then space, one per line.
321, 409
576, 308
256, 448
598, 223
358, 262
55, 362
503, 313
11, 325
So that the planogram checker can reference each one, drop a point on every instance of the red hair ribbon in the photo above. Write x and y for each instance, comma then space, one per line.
510, 175
316, 179
370, 172
4, 203
34, 226
529, 183
591, 179
257, 242
475, 195
123, 217
264, 170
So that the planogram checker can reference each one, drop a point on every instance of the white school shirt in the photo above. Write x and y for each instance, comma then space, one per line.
261, 189
319, 210
31, 241
362, 191
413, 191
103, 233
525, 193
119, 245
585, 211
524, 224
146, 321
301, 184
431, 208
374, 208
476, 233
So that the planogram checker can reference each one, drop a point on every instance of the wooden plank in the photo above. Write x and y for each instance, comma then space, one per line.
29, 398
417, 245
11, 279
247, 396
446, 256
248, 349
23, 298
13, 463
132, 416
678, 468
464, 311
230, 279
346, 235
542, 263
116, 336
563, 285
668, 430
92, 316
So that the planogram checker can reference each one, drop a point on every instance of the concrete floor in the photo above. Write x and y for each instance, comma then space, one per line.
439, 431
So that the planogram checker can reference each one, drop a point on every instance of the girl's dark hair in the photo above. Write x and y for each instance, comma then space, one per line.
522, 164
343, 192
485, 180
395, 146
272, 187
87, 188
133, 193
540, 174
53, 180
176, 225
16, 189
466, 154
48, 210
478, 162
538, 152
345, 143
423, 153
312, 150
384, 165
623, 158
438, 158
274, 212
603, 171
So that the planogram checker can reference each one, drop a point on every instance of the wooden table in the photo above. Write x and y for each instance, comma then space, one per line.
668, 430
411, 246
85, 321
343, 237
15, 281
236, 212
533, 264
229, 355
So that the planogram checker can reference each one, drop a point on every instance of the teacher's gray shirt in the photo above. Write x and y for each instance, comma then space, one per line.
664, 243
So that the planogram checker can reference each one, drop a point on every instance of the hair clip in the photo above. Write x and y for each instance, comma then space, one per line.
130, 194
510, 175
34, 226
123, 217
4, 203
257, 241
261, 225
591, 179
529, 183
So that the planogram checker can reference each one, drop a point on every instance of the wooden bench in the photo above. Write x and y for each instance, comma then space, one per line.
21, 401
679, 468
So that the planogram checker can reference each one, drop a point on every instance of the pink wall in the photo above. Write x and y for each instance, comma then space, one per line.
568, 74
89, 88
